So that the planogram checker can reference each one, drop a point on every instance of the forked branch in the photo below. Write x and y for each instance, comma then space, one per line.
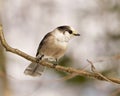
59, 68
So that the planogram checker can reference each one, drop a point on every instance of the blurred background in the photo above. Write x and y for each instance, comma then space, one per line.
25, 22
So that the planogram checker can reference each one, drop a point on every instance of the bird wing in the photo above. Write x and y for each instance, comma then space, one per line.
45, 40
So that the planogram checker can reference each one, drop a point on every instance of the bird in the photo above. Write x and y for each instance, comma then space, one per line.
52, 47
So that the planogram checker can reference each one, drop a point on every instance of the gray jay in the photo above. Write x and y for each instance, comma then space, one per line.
51, 48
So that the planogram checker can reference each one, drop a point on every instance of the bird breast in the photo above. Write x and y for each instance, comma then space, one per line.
54, 48
59, 48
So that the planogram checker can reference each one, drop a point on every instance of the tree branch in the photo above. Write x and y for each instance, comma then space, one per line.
59, 68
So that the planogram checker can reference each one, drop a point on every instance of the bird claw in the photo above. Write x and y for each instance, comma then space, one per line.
54, 65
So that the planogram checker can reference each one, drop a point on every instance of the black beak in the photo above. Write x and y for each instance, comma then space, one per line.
76, 34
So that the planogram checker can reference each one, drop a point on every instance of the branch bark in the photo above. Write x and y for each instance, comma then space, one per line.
59, 68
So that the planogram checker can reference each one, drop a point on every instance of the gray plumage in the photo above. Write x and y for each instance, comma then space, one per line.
51, 48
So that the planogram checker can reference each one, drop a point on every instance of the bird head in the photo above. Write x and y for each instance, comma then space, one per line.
65, 33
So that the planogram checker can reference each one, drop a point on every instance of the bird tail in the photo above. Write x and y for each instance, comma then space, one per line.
34, 69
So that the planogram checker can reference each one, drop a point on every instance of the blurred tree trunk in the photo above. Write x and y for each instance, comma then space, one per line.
4, 90
3, 81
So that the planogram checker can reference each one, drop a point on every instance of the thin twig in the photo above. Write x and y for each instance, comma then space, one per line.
44, 63
93, 69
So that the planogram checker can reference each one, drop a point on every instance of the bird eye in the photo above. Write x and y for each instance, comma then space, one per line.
70, 31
